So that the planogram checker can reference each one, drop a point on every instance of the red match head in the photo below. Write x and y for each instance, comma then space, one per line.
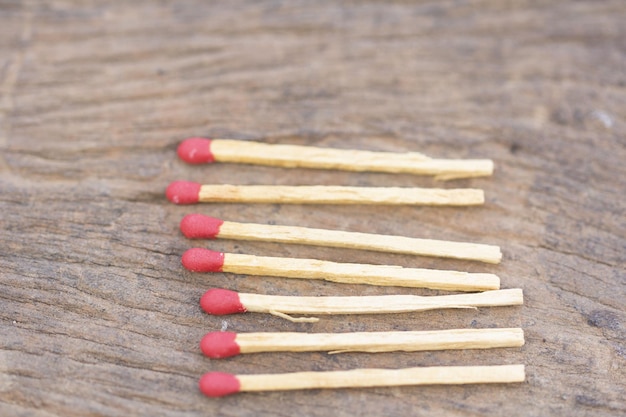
219, 302
203, 260
219, 345
183, 192
219, 384
196, 151
199, 226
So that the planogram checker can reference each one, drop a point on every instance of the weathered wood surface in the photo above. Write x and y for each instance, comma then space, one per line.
98, 317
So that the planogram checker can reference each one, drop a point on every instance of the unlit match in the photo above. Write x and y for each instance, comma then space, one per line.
220, 302
186, 192
204, 260
200, 151
199, 226
226, 344
218, 384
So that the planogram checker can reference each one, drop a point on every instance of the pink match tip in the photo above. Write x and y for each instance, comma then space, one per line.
218, 302
196, 151
183, 192
199, 226
219, 384
219, 345
203, 260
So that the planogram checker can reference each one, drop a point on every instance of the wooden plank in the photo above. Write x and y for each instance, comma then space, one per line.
97, 315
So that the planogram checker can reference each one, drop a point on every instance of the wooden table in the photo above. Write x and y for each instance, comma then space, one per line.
98, 317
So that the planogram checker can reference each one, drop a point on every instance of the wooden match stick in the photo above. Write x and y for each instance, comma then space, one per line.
218, 384
200, 150
199, 226
185, 192
226, 344
204, 260
220, 302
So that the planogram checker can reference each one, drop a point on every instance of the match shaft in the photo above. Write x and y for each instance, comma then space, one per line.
225, 344
321, 194
294, 156
380, 304
383, 377
218, 384
383, 275
410, 341
365, 241
204, 260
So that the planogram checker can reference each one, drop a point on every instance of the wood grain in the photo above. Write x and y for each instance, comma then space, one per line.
97, 315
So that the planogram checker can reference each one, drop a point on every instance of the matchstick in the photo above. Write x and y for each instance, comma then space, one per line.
185, 192
218, 384
200, 150
226, 344
204, 260
220, 302
199, 226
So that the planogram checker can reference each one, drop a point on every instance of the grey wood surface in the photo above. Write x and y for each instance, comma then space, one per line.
97, 315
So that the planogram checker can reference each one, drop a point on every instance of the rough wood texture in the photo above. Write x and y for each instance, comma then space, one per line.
98, 317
